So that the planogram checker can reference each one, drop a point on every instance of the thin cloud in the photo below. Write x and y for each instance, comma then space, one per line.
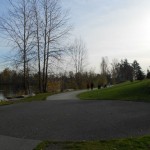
114, 28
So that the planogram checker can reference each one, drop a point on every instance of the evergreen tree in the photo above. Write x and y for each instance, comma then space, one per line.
136, 69
140, 75
148, 74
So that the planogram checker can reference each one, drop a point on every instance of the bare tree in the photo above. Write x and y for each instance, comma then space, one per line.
104, 70
37, 33
52, 28
17, 27
104, 65
78, 53
36, 28
114, 70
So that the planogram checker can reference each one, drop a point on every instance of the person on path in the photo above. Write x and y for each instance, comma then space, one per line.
99, 86
92, 85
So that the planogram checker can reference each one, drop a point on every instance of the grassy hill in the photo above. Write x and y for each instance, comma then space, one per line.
135, 91
141, 143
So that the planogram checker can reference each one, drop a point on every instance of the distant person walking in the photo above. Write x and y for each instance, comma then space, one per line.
99, 86
92, 85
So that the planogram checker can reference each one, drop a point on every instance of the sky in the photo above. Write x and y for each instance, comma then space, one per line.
117, 29
114, 28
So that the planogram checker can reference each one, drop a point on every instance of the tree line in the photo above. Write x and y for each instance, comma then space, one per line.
37, 31
121, 71
110, 74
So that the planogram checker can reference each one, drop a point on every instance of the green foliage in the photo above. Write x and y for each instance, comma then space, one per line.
6, 103
136, 69
37, 97
140, 75
142, 143
136, 91
42, 145
148, 74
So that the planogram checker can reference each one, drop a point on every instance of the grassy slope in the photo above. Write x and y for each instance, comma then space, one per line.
142, 143
38, 97
136, 91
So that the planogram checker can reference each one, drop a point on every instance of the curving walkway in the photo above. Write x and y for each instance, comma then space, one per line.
66, 95
65, 120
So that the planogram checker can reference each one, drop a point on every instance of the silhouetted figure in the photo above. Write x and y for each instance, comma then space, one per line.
92, 85
88, 86
99, 86
105, 86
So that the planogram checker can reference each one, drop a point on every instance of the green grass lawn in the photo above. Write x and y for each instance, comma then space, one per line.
135, 91
142, 143
37, 97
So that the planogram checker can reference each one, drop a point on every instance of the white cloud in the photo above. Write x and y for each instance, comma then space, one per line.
113, 28
121, 31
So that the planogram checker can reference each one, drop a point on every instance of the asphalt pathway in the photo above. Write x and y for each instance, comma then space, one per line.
66, 95
11, 143
67, 120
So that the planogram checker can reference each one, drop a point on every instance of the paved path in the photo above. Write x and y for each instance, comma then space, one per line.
66, 96
11, 143
63, 120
